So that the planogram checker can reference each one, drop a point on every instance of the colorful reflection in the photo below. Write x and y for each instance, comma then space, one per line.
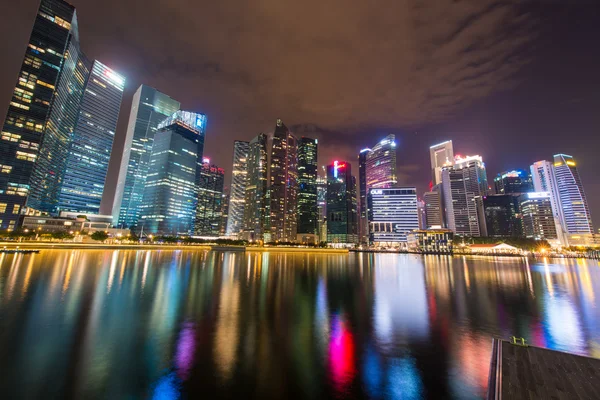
188, 324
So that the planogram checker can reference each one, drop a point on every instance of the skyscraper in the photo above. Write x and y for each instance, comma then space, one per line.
442, 155
283, 189
210, 198
87, 162
538, 221
502, 215
433, 209
48, 171
31, 106
322, 205
381, 164
363, 223
513, 182
307, 187
341, 214
237, 194
575, 210
171, 192
464, 185
393, 214
544, 180
255, 200
148, 109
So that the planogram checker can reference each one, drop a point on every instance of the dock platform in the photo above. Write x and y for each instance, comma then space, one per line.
527, 372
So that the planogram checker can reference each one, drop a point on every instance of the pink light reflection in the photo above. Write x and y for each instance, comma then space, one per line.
186, 345
341, 355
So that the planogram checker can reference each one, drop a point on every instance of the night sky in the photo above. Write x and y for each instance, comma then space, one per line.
513, 81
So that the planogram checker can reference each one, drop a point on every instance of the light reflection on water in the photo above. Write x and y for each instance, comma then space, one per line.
177, 324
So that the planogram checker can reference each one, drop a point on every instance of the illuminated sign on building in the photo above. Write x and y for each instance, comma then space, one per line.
336, 167
538, 195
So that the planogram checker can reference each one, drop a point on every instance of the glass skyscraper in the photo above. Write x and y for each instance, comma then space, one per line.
502, 215
363, 222
307, 186
381, 164
255, 200
31, 106
87, 162
237, 194
513, 182
283, 189
171, 192
48, 172
543, 177
341, 212
210, 198
538, 221
575, 210
148, 109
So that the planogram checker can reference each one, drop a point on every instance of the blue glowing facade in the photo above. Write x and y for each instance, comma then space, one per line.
148, 109
89, 154
174, 172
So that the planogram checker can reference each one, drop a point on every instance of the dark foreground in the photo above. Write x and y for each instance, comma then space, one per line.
115, 324
524, 372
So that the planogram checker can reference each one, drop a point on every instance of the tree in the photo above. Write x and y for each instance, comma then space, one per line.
61, 235
100, 236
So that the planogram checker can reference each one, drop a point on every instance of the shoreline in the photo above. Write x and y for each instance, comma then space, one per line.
262, 249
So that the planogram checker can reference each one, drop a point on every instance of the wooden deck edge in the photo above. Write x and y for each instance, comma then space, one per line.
494, 391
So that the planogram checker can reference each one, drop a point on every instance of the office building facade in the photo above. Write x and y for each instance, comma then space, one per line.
30, 107
87, 162
148, 109
575, 211
237, 193
434, 212
464, 185
363, 221
171, 192
322, 205
393, 214
255, 200
283, 187
538, 218
381, 164
342, 218
308, 216
513, 182
502, 215
442, 156
543, 178
210, 199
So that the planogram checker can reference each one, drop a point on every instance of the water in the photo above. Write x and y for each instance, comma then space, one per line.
187, 324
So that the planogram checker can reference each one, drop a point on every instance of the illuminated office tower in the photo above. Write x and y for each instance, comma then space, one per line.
237, 194
87, 162
502, 215
171, 192
393, 214
322, 205
537, 215
575, 210
434, 216
210, 199
51, 59
341, 213
307, 187
363, 221
224, 211
442, 155
283, 188
381, 164
148, 109
464, 185
255, 206
513, 182
544, 180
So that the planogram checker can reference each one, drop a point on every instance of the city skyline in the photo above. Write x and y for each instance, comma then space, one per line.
411, 137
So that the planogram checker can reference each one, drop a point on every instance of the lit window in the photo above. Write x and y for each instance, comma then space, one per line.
21, 155
49, 86
3, 208
16, 209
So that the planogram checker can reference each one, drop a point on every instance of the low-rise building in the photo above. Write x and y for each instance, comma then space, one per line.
431, 241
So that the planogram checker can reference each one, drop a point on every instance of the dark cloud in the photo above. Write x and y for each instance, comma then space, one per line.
355, 70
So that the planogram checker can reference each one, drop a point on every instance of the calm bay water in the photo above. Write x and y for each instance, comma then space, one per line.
186, 324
